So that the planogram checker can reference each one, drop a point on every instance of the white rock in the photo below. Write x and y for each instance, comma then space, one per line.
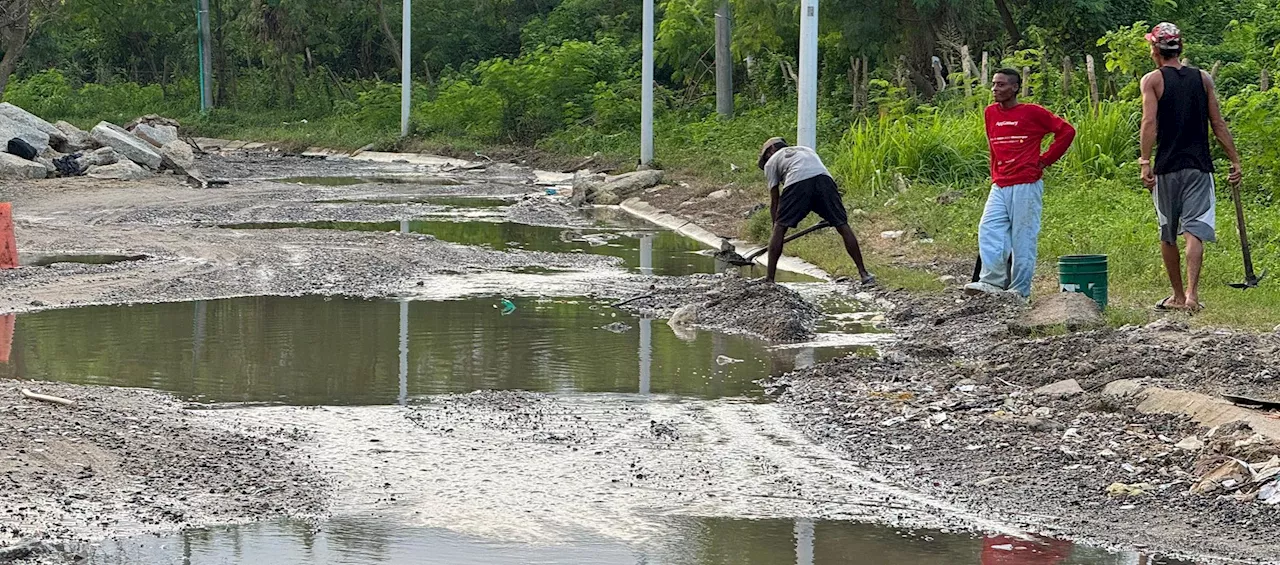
77, 139
1190, 443
158, 135
126, 144
946, 279
10, 128
1061, 389
720, 194
13, 167
124, 170
177, 156
892, 234
56, 137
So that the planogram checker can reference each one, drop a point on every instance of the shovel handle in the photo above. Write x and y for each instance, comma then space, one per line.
1244, 235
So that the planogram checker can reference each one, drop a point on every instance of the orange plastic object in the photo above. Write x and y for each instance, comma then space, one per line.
8, 245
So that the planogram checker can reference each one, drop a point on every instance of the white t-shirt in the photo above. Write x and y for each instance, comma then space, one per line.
791, 165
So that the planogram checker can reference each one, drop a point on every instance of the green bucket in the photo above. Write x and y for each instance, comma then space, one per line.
1086, 274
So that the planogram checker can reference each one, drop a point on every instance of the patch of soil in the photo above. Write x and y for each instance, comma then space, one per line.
125, 461
949, 410
732, 304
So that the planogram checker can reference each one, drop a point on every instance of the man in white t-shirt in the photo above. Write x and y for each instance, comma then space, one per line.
806, 186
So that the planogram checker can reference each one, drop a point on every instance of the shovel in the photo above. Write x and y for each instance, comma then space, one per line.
1250, 279
751, 257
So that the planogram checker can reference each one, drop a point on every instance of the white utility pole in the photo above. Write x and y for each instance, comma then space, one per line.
646, 87
807, 118
406, 84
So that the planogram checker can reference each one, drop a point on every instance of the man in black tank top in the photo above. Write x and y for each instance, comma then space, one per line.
1179, 107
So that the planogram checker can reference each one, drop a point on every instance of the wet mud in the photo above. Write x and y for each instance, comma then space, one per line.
951, 409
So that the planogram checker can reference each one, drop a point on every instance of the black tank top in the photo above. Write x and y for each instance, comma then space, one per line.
1182, 123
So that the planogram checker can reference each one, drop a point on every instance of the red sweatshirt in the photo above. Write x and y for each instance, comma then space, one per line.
1015, 136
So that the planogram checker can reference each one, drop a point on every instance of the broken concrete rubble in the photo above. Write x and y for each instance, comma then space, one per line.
177, 156
77, 139
99, 157
123, 170
13, 167
611, 190
157, 135
10, 128
56, 137
126, 144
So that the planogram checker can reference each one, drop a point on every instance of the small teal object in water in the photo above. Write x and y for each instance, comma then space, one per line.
551, 192
507, 307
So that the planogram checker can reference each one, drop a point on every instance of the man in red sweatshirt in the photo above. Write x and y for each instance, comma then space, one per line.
1011, 222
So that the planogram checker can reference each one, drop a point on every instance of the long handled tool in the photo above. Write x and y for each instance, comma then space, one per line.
735, 259
1250, 279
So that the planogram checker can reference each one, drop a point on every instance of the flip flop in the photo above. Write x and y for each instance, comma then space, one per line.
869, 282
1163, 306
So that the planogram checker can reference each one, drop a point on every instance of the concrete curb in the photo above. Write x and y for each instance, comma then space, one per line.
649, 213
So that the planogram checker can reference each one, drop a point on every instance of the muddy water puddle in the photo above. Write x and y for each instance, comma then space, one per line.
650, 252
352, 181
45, 260
337, 351
686, 541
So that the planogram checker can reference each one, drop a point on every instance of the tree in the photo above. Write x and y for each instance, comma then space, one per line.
19, 20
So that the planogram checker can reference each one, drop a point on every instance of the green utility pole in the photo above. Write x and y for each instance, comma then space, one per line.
206, 57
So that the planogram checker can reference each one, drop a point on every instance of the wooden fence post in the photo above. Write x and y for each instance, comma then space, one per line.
1026, 81
1093, 81
1265, 81
1066, 76
866, 83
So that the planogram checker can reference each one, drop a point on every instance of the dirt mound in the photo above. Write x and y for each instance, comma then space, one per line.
1071, 311
732, 304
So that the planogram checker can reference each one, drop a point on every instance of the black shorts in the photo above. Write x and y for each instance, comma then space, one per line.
819, 195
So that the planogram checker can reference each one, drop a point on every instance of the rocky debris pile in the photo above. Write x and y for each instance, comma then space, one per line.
1029, 429
150, 144
603, 190
731, 304
539, 210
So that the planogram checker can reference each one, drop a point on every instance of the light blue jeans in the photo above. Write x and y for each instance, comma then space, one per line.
1011, 226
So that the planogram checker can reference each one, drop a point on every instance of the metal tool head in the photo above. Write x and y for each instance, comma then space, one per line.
1249, 282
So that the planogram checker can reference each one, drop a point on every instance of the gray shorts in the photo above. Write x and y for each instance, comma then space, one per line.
1185, 204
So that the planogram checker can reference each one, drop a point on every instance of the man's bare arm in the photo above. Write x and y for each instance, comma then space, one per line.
773, 203
1220, 129
1150, 106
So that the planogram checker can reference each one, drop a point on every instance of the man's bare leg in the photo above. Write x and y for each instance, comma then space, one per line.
1173, 266
1195, 260
855, 251
775, 250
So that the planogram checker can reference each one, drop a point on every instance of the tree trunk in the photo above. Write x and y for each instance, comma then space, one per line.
1007, 17
13, 39
1093, 82
393, 42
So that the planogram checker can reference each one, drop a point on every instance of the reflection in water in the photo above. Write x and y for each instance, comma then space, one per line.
687, 541
6, 336
646, 250
804, 542
403, 398
316, 350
